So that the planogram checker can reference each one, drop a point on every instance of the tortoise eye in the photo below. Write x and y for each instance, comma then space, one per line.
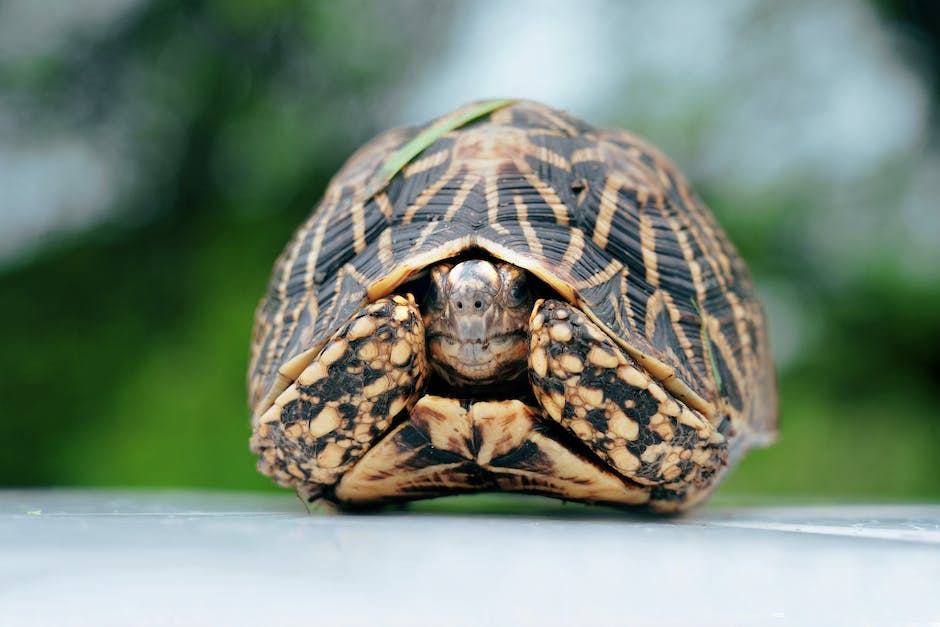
433, 297
518, 291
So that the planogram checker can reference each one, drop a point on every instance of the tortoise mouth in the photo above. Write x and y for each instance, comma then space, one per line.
478, 361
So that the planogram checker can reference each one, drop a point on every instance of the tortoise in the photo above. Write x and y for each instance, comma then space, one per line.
509, 299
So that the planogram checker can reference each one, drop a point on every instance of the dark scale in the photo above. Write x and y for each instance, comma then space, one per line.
511, 187
347, 411
340, 382
412, 186
549, 384
301, 323
728, 387
375, 221
382, 402
647, 438
526, 457
298, 409
559, 179
668, 495
623, 241
434, 207
596, 417
664, 333
332, 253
636, 403
684, 436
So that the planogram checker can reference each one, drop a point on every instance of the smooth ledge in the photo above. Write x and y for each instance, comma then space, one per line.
154, 558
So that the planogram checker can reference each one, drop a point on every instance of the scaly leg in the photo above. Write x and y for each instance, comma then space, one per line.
594, 390
371, 369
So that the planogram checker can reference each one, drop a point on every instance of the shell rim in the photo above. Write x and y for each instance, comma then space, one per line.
288, 372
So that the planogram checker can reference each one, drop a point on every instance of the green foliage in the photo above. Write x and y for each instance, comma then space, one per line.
125, 347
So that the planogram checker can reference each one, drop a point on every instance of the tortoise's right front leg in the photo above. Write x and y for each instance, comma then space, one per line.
372, 368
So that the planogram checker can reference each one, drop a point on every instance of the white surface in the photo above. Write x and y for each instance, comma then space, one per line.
143, 558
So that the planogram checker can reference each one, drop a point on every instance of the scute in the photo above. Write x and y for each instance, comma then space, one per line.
601, 216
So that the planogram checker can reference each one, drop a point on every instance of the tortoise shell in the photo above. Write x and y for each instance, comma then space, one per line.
600, 217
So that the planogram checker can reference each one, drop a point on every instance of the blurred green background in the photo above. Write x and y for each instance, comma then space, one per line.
155, 156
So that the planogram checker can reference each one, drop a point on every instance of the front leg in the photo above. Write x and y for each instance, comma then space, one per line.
372, 369
592, 388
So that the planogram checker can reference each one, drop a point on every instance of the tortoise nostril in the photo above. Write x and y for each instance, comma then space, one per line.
477, 304
459, 304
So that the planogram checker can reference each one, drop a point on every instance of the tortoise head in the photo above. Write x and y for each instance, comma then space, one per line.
477, 314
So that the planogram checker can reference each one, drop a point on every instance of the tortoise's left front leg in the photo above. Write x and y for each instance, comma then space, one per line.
593, 389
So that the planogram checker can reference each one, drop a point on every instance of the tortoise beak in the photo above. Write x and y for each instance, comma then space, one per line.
473, 315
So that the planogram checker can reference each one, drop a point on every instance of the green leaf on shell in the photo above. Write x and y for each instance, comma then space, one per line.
708, 345
404, 155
